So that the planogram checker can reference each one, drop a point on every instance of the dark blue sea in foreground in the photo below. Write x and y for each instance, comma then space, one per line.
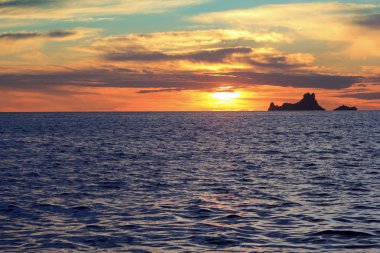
190, 182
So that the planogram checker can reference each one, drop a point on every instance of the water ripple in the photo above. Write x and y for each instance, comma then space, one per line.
190, 182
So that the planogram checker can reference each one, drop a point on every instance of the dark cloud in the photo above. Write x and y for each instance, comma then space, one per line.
151, 56
278, 62
160, 90
216, 55
364, 96
373, 80
31, 35
172, 81
211, 56
27, 3
299, 80
20, 35
60, 34
370, 21
107, 78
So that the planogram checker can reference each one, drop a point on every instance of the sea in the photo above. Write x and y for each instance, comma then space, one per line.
190, 182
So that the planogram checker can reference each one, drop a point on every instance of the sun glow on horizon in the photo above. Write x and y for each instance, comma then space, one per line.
226, 95
225, 99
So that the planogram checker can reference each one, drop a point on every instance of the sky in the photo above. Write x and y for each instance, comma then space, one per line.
187, 55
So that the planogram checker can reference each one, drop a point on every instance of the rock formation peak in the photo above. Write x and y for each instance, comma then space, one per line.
346, 108
307, 103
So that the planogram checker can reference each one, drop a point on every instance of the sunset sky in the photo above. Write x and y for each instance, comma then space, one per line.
167, 55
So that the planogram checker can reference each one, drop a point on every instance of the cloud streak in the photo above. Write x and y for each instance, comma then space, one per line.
159, 90
183, 41
238, 56
363, 96
176, 80
299, 80
371, 21
20, 43
58, 34
57, 9
211, 56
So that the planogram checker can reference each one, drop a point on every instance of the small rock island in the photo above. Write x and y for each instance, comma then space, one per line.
308, 103
346, 108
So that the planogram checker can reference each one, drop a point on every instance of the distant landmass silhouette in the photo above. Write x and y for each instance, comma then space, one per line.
346, 108
308, 103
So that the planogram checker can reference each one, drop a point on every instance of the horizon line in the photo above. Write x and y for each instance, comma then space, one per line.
170, 111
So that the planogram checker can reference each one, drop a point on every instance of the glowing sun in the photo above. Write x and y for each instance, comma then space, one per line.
226, 95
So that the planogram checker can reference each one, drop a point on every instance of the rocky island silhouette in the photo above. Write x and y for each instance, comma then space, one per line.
307, 103
346, 108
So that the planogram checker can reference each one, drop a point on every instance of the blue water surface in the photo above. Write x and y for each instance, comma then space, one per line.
190, 182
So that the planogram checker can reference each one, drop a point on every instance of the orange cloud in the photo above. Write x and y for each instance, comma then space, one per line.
179, 42
350, 25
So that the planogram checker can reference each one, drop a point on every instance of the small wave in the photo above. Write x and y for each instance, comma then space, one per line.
50, 208
81, 208
93, 227
101, 241
82, 211
139, 251
59, 245
216, 241
115, 185
369, 207
368, 246
233, 216
203, 213
343, 233
6, 208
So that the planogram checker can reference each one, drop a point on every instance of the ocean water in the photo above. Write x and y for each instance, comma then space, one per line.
190, 182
